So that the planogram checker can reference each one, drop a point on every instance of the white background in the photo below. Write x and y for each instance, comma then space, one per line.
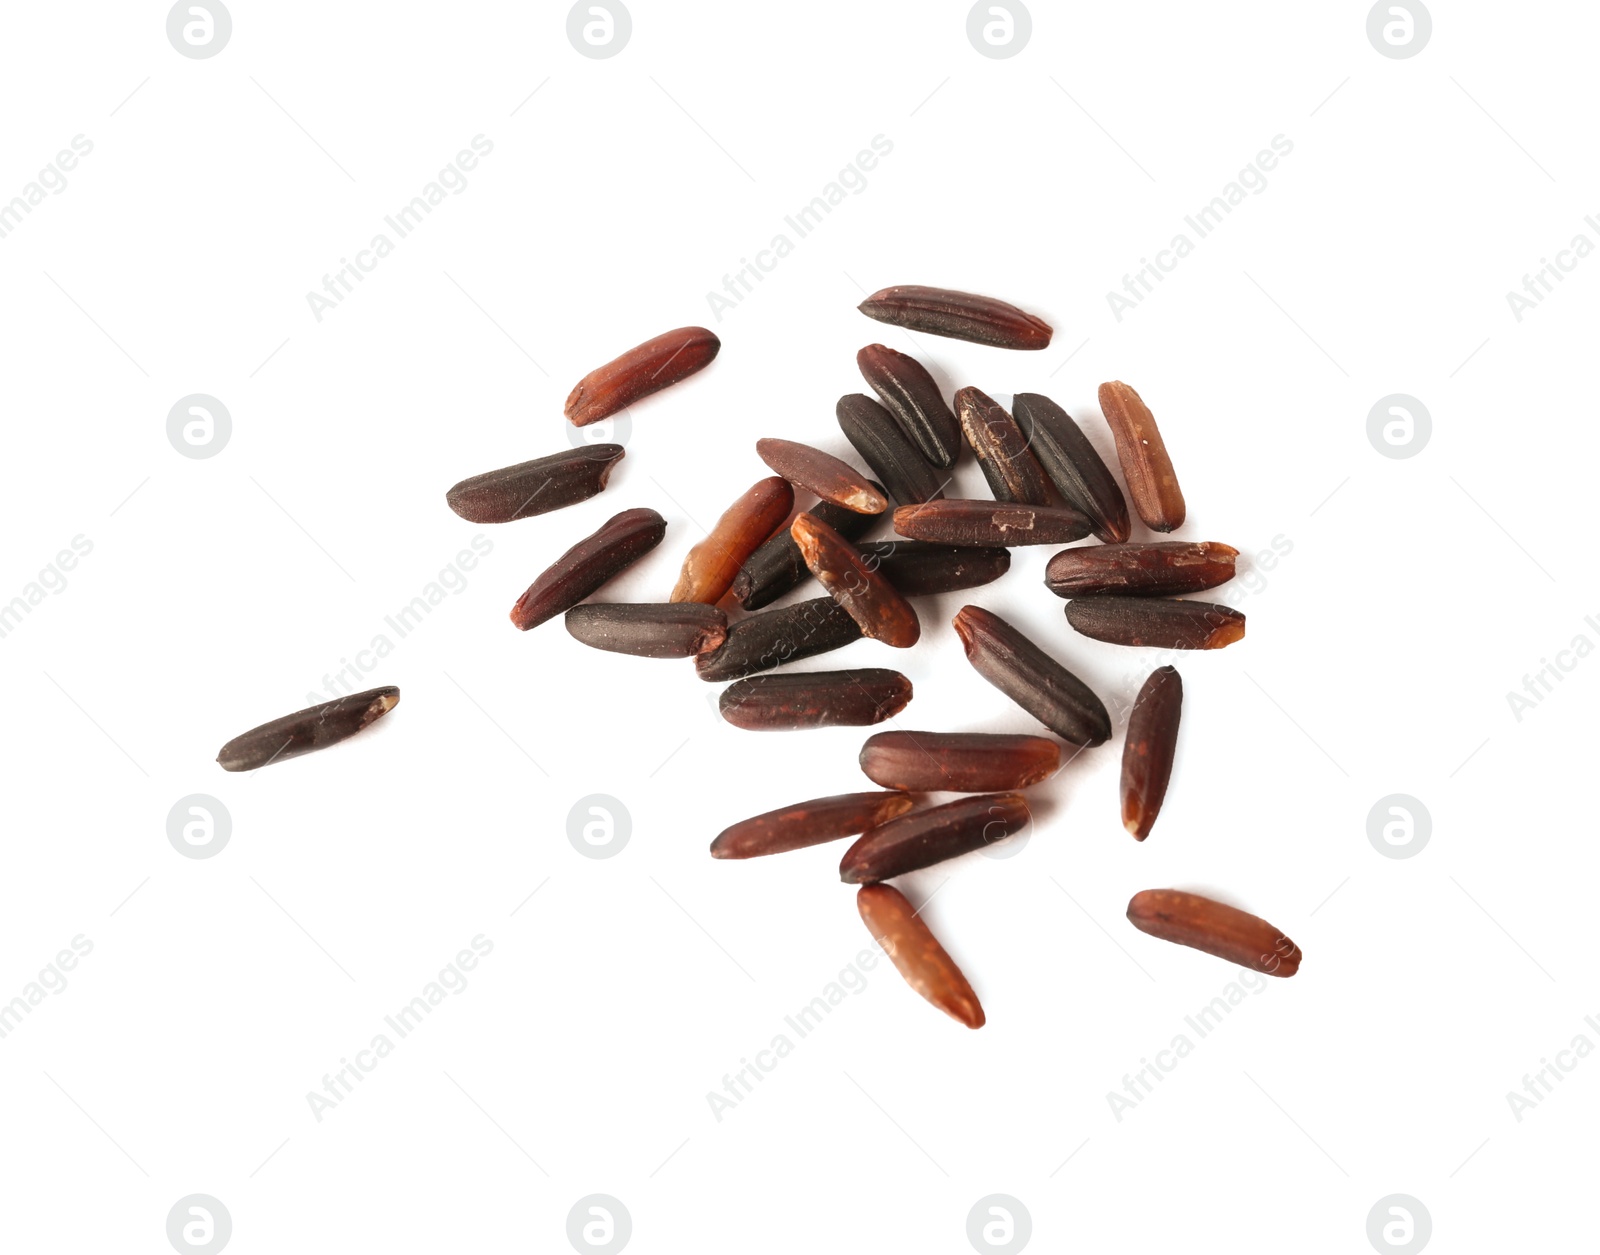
220, 592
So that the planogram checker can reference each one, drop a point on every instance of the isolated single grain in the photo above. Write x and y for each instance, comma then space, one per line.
1078, 472
1159, 570
1216, 928
1156, 622
815, 699
958, 762
672, 629
314, 728
620, 542
829, 477
1152, 483
809, 823
1148, 749
906, 388
536, 487
709, 569
959, 315
1030, 677
917, 954
958, 521
646, 368
880, 611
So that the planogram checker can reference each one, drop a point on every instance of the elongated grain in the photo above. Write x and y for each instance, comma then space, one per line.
916, 953
1078, 472
909, 392
1030, 677
314, 728
1152, 483
922, 838
958, 762
1014, 474
1148, 749
957, 521
642, 370
1159, 570
620, 542
918, 568
829, 477
1215, 928
867, 596
815, 699
682, 629
709, 569
774, 637
536, 487
896, 462
809, 823
1156, 622
959, 315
